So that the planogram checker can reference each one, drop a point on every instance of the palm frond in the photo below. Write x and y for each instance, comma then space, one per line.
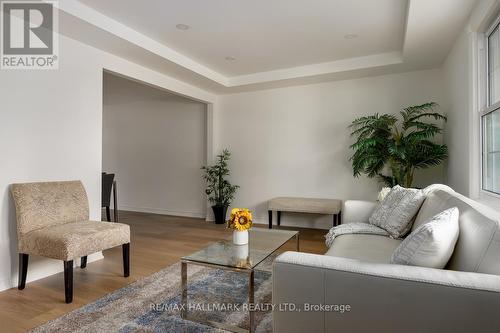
397, 151
423, 131
412, 111
428, 154
373, 122
412, 114
435, 115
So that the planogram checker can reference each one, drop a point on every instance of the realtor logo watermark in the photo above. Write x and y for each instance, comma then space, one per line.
28, 35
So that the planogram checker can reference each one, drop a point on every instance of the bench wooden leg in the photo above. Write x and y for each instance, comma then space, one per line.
270, 213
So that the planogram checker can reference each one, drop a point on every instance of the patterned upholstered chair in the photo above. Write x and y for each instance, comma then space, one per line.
53, 221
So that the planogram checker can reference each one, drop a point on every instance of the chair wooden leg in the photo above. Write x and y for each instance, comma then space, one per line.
68, 281
126, 259
23, 270
83, 262
115, 202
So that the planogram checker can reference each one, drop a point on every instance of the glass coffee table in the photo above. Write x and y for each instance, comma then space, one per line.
240, 258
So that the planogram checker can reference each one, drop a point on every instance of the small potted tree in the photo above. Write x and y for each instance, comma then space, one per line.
219, 190
392, 151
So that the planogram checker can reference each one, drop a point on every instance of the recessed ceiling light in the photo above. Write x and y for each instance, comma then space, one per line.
181, 26
230, 58
350, 36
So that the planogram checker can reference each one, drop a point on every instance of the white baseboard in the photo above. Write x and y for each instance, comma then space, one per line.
39, 268
5, 284
162, 211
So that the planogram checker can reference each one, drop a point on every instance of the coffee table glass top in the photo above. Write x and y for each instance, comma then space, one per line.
262, 243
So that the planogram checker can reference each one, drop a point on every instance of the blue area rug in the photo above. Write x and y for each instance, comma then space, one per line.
153, 304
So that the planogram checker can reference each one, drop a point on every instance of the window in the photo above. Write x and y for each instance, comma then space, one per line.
491, 115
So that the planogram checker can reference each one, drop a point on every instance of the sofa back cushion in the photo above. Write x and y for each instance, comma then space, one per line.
40, 205
431, 244
478, 245
396, 212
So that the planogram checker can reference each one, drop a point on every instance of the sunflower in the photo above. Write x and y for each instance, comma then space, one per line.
241, 219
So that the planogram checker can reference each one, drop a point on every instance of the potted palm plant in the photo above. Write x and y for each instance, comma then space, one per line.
393, 150
220, 191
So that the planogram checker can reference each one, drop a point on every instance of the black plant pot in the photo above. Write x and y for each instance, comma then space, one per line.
220, 214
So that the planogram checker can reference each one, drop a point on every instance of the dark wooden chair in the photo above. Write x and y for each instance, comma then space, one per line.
108, 186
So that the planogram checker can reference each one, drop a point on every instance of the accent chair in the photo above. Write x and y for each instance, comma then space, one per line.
53, 221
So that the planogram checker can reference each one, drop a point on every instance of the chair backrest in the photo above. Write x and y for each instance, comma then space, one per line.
107, 186
478, 245
40, 205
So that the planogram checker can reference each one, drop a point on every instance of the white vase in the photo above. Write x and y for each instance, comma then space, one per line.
240, 237
241, 252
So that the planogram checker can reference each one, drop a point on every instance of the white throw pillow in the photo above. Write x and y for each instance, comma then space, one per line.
431, 244
396, 212
383, 193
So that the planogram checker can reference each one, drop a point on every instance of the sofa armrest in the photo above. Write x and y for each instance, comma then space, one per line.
357, 211
380, 297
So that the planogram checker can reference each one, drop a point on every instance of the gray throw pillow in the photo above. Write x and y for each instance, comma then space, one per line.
396, 212
431, 244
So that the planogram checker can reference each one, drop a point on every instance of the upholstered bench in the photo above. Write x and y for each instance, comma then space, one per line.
304, 205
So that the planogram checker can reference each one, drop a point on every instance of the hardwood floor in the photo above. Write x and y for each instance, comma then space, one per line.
157, 241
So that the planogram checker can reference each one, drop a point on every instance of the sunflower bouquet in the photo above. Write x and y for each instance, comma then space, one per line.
240, 220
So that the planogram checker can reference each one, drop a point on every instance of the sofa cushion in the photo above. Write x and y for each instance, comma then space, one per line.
478, 245
396, 212
368, 248
431, 244
73, 240
431, 207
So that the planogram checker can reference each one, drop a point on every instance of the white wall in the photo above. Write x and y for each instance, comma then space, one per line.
155, 143
50, 129
294, 141
457, 81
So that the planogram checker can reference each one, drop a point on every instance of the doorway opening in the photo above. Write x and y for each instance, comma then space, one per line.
154, 143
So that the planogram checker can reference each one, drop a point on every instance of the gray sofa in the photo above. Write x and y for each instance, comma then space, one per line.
383, 297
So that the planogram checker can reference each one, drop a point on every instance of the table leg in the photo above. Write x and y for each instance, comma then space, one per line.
251, 301
297, 239
184, 289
